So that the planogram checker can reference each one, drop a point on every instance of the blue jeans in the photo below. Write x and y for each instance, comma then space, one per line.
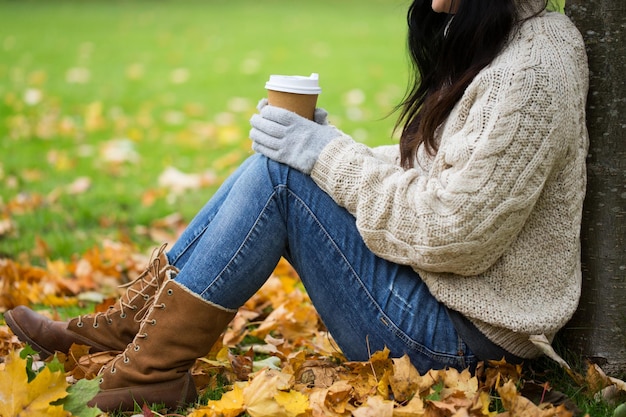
266, 210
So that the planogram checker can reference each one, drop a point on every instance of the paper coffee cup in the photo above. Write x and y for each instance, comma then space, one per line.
294, 92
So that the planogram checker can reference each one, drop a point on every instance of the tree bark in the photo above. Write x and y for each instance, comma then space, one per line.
598, 329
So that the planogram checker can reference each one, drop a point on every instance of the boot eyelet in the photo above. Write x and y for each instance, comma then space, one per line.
170, 291
134, 308
95, 324
109, 321
126, 360
146, 297
137, 348
113, 370
79, 324
101, 381
123, 315
153, 322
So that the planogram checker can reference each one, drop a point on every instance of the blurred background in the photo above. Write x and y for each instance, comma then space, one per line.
118, 119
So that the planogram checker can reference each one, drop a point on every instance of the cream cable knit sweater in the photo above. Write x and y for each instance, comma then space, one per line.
492, 222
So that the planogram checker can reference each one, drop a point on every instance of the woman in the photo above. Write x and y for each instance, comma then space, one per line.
453, 247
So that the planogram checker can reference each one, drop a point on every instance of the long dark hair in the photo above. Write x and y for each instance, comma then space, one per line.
447, 51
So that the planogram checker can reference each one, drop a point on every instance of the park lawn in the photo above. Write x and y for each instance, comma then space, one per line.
98, 99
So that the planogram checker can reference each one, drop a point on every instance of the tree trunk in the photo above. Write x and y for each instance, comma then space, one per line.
598, 329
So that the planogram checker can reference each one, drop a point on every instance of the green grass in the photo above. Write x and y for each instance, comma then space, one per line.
178, 80
544, 370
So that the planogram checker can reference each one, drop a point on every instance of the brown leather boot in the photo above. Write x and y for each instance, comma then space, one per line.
110, 330
154, 368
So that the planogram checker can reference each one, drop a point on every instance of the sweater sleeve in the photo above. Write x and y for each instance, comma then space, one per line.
387, 153
500, 145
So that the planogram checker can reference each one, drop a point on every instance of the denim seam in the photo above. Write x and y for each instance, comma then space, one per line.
239, 249
189, 243
443, 357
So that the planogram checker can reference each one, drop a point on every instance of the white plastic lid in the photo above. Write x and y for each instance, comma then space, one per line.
297, 84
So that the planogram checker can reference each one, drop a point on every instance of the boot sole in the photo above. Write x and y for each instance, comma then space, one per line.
171, 394
17, 330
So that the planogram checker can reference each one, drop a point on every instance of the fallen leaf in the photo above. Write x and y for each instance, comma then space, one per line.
241, 364
414, 408
260, 395
79, 186
119, 151
230, 405
90, 365
317, 373
459, 382
405, 379
79, 395
375, 407
20, 398
7, 225
516, 405
338, 397
178, 182
294, 402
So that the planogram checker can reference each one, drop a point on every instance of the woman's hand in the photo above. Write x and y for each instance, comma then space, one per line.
286, 137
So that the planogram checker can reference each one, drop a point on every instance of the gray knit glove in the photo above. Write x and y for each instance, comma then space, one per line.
286, 137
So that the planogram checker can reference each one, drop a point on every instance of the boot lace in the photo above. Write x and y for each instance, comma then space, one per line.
134, 345
127, 300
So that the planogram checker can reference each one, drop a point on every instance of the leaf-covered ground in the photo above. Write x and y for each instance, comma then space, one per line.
117, 122
275, 358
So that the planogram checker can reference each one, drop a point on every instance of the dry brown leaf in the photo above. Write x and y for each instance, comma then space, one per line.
8, 341
90, 365
238, 328
516, 405
241, 364
338, 397
463, 382
319, 408
405, 379
499, 372
316, 373
70, 361
414, 408
21, 284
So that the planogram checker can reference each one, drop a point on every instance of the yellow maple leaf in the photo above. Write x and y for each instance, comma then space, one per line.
230, 405
294, 402
19, 398
269, 395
